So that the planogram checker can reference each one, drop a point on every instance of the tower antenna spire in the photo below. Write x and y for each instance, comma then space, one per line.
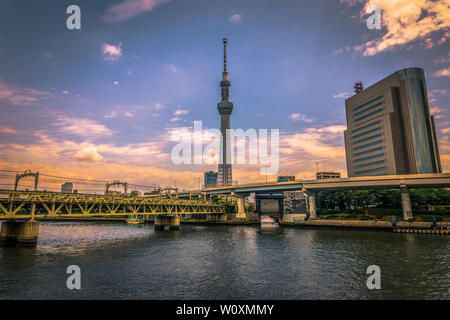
224, 54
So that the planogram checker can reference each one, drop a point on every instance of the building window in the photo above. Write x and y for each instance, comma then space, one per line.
369, 115
370, 170
370, 164
367, 109
370, 157
366, 126
367, 132
368, 151
368, 145
367, 103
367, 139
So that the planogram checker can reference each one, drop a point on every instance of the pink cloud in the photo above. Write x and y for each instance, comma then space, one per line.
299, 117
82, 127
235, 18
8, 131
179, 112
111, 52
442, 73
21, 96
129, 9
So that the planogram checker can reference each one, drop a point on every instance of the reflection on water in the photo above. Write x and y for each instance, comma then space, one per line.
120, 261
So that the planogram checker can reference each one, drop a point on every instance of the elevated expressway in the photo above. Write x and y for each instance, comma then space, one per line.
311, 187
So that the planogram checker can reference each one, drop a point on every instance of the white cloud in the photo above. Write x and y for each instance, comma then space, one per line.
404, 22
128, 114
170, 67
343, 95
65, 92
129, 9
159, 106
111, 115
299, 116
111, 52
235, 18
89, 154
180, 112
116, 83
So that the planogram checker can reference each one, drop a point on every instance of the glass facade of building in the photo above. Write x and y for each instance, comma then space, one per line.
419, 117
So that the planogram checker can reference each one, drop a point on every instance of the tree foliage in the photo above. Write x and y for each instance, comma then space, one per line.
355, 200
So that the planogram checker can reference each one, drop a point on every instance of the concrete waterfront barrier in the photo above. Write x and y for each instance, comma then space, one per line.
402, 227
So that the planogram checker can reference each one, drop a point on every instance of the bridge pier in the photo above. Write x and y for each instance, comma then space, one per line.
312, 204
241, 206
172, 221
216, 217
406, 202
19, 232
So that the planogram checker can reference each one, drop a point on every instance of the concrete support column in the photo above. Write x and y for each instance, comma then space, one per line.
19, 232
241, 207
312, 204
406, 202
258, 206
173, 222
281, 207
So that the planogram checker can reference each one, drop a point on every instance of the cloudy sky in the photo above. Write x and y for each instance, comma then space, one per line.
101, 102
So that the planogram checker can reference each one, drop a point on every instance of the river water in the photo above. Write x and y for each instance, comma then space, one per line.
120, 261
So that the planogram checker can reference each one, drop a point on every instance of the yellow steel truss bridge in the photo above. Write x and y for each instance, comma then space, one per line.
25, 204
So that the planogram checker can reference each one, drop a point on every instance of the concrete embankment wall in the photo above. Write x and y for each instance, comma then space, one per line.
357, 224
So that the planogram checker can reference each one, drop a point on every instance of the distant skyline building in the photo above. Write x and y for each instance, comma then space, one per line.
327, 175
390, 129
225, 107
210, 179
67, 187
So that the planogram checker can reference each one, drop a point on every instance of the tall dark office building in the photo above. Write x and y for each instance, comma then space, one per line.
390, 129
210, 179
225, 108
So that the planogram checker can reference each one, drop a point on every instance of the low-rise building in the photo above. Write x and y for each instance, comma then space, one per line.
67, 187
327, 175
